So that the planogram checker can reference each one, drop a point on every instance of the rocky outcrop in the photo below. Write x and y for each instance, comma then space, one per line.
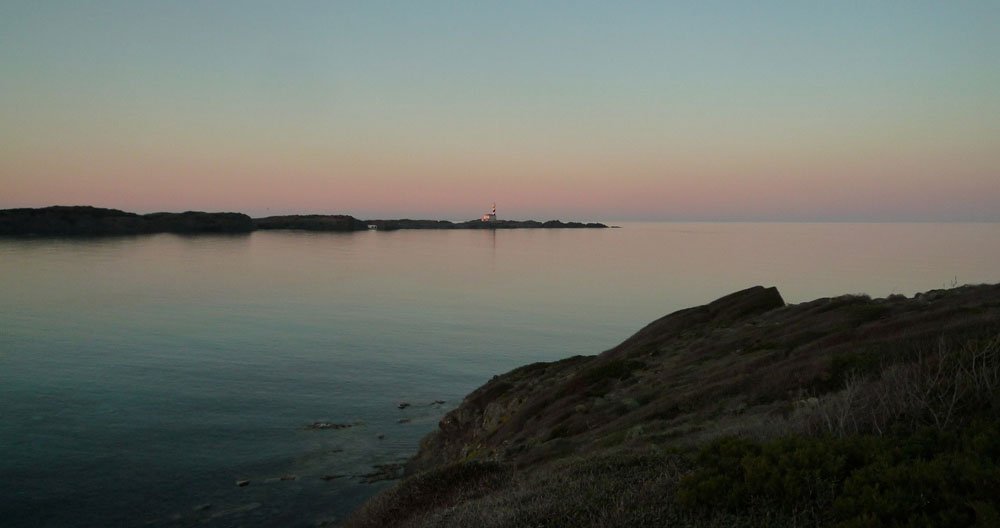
729, 366
843, 411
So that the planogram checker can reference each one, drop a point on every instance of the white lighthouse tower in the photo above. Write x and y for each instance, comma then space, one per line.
491, 216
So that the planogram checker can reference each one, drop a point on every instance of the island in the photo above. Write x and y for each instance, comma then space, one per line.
93, 221
747, 411
349, 223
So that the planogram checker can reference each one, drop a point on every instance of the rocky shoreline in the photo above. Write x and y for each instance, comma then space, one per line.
96, 221
633, 436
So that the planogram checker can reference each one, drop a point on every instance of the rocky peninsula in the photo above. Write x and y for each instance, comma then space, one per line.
93, 221
747, 411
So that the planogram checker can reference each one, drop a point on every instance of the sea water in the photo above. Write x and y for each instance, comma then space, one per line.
142, 377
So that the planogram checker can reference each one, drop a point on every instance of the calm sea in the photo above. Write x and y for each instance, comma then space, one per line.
141, 377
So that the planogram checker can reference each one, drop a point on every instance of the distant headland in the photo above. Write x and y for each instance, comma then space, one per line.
87, 220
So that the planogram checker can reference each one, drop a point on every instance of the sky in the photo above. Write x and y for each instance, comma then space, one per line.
702, 111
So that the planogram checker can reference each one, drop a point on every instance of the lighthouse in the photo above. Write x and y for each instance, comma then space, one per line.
491, 216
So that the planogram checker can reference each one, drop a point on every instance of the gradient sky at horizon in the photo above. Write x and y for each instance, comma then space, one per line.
876, 111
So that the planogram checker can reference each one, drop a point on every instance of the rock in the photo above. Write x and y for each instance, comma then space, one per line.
683, 369
380, 436
332, 477
318, 426
288, 477
438, 402
203, 507
383, 472
403, 420
403, 405
242, 483
237, 510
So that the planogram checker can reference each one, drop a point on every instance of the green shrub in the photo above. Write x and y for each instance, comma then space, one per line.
862, 362
927, 478
616, 369
863, 313
595, 380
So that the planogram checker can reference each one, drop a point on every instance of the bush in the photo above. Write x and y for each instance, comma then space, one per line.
595, 380
926, 478
617, 369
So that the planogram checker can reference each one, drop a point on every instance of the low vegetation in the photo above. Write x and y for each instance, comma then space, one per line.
926, 477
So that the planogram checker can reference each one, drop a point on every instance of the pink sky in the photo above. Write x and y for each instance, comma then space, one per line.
658, 113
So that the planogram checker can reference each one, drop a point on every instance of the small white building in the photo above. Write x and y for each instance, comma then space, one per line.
491, 216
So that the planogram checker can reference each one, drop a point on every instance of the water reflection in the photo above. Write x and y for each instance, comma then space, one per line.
199, 358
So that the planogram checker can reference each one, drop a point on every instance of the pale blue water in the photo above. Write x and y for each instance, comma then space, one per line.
140, 377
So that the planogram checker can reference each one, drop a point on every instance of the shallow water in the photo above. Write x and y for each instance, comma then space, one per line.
141, 377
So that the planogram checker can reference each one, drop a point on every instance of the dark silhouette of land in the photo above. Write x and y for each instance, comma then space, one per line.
349, 223
86, 220
93, 221
844, 411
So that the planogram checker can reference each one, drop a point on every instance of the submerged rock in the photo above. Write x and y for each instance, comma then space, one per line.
392, 471
318, 426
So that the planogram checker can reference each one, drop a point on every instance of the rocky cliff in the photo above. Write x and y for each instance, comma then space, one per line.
585, 441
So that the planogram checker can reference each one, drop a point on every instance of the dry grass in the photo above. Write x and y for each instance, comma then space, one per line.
938, 386
610, 490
